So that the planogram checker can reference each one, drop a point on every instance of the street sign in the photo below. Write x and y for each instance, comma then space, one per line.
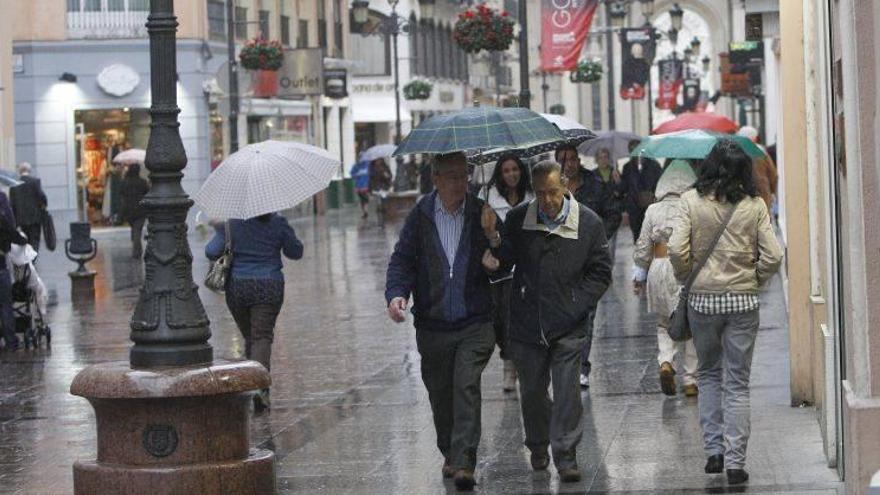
302, 73
335, 82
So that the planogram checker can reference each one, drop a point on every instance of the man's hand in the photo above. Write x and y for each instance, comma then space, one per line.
397, 309
615, 175
488, 220
638, 287
490, 262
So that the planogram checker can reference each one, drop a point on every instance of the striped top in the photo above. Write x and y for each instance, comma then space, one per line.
449, 227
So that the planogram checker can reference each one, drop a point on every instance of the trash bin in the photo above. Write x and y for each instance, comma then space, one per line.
334, 195
349, 196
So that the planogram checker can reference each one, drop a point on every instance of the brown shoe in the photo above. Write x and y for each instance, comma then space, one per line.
667, 378
464, 480
691, 390
447, 470
569, 475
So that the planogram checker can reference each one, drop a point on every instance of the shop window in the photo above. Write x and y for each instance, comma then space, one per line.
100, 136
92, 5
216, 20
139, 5
754, 27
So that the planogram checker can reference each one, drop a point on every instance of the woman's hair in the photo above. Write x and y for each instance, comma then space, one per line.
726, 173
497, 179
134, 170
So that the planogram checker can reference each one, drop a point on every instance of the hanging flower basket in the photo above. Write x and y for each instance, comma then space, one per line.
483, 28
264, 83
587, 71
261, 54
557, 109
417, 90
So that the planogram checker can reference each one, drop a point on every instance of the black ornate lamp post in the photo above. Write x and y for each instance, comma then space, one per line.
394, 25
172, 420
525, 96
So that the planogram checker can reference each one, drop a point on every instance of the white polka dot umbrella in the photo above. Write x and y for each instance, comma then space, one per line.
264, 178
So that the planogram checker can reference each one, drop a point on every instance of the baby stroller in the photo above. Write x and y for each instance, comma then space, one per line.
28, 297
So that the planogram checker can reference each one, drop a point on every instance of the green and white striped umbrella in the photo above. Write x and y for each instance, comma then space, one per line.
480, 128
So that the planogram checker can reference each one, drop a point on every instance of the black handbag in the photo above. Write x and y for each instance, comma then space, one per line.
679, 328
48, 226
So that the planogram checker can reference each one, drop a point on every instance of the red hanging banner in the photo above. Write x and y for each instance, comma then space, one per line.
670, 83
564, 28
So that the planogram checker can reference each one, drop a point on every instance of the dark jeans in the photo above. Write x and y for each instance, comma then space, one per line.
257, 325
501, 314
33, 233
7, 317
137, 233
554, 422
452, 365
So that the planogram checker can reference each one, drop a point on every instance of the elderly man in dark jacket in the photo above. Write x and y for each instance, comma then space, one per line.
28, 202
438, 260
562, 269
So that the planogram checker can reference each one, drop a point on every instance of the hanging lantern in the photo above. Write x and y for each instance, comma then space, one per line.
676, 14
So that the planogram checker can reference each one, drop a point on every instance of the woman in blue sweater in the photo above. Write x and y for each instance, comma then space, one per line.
255, 290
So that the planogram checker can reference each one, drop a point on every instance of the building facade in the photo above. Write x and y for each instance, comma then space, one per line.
82, 88
7, 123
829, 153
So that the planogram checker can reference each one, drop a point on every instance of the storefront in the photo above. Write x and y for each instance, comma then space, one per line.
100, 136
84, 101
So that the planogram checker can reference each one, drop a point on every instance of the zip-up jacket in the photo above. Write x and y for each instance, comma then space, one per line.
445, 297
560, 275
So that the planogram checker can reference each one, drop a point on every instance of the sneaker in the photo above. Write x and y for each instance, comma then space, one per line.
737, 476
667, 378
509, 382
464, 480
585, 381
691, 390
569, 475
715, 464
540, 460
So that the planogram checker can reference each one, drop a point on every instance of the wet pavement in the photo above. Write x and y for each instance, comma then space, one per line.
350, 414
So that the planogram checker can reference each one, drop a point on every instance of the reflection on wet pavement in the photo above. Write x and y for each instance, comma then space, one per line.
350, 414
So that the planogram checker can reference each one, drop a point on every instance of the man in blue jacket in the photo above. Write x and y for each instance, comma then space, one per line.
438, 259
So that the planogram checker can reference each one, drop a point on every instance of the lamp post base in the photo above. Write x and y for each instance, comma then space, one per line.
173, 430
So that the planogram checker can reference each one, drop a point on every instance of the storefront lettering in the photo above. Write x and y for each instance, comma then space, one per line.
300, 82
372, 88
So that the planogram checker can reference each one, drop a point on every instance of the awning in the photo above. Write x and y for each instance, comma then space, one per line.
377, 109
275, 107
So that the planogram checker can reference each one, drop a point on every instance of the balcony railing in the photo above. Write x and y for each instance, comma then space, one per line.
107, 24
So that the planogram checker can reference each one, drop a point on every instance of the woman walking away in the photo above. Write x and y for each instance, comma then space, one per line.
652, 270
509, 186
255, 288
723, 300
134, 188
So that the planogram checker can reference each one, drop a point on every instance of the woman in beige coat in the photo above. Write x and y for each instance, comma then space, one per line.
723, 301
652, 270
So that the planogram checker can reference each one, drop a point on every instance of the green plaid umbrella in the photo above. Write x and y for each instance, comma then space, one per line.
694, 144
479, 128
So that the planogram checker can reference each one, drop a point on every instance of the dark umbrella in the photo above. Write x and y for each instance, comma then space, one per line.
479, 129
